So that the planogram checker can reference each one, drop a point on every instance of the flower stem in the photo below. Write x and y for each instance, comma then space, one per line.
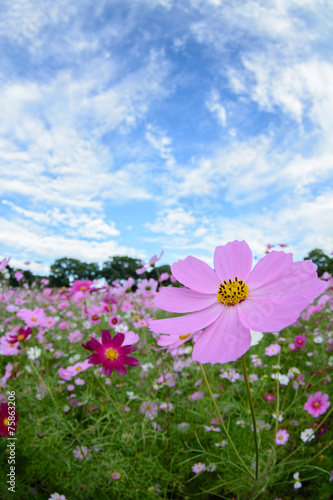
248, 390
221, 421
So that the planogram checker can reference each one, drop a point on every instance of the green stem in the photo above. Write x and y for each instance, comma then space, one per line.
248, 390
221, 420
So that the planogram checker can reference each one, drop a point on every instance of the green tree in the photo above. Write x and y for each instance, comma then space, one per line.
65, 270
323, 261
120, 268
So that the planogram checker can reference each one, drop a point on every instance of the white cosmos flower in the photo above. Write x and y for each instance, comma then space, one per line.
34, 352
298, 483
307, 435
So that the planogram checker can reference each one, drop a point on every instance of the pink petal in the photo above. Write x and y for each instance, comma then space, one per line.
269, 269
183, 300
120, 368
96, 359
117, 340
107, 367
233, 259
189, 323
223, 341
106, 338
299, 283
263, 315
126, 349
93, 345
128, 360
196, 274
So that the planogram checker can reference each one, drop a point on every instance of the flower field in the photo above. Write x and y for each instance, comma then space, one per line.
100, 400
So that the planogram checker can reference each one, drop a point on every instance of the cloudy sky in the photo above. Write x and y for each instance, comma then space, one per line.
134, 126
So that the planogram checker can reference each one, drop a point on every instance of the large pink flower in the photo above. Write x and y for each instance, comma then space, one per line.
317, 405
111, 353
231, 300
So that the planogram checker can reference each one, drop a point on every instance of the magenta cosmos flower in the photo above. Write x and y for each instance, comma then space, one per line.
231, 300
317, 405
8, 418
111, 353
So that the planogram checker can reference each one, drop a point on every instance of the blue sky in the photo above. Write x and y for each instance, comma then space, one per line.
131, 127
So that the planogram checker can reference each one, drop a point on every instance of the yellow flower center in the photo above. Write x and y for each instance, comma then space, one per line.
316, 404
33, 319
20, 337
183, 337
11, 345
5, 422
83, 287
111, 354
78, 368
231, 293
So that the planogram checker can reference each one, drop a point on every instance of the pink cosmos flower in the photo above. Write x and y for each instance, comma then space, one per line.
269, 397
111, 353
147, 287
114, 321
151, 263
164, 277
299, 340
272, 350
79, 367
64, 374
82, 286
4, 263
82, 452
8, 348
18, 275
75, 336
149, 408
317, 405
282, 436
199, 467
232, 300
197, 395
173, 341
33, 317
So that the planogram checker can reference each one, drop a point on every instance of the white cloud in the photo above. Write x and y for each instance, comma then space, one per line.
214, 105
32, 241
162, 143
172, 221
87, 225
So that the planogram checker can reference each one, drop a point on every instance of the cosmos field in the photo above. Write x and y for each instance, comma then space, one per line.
105, 407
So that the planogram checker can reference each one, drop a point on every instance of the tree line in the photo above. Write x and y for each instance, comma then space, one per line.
119, 268
65, 270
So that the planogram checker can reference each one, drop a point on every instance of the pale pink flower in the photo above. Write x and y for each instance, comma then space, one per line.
199, 467
282, 437
196, 396
151, 263
231, 300
272, 350
75, 336
4, 263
